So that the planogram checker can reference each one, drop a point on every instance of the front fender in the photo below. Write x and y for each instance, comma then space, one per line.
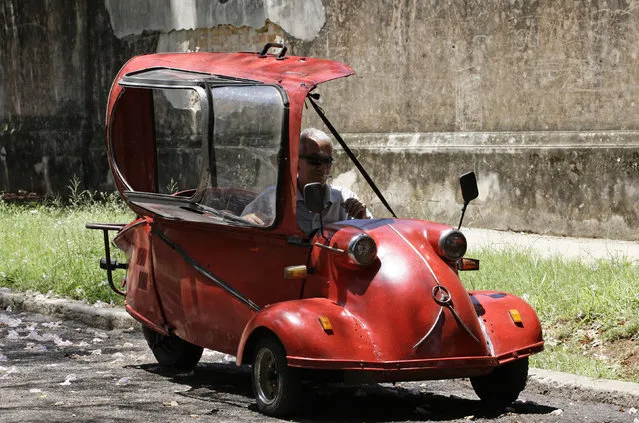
296, 324
509, 340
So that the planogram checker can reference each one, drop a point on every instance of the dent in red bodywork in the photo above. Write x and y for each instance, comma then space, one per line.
509, 341
142, 300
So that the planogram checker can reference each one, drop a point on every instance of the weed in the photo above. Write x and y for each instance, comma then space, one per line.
44, 246
76, 195
172, 187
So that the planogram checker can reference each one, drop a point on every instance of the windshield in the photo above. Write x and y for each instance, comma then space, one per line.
198, 152
247, 136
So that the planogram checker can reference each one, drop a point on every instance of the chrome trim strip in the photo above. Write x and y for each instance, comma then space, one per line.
489, 342
421, 341
430, 269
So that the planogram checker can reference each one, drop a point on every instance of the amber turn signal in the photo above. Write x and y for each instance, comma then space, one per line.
295, 272
326, 324
514, 314
468, 264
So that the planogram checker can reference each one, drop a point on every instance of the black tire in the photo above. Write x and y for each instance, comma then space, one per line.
276, 385
171, 351
502, 386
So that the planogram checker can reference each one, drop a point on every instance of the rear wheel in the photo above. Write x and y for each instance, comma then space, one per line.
503, 385
171, 351
276, 385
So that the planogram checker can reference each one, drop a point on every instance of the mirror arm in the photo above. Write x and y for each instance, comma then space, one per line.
322, 227
462, 215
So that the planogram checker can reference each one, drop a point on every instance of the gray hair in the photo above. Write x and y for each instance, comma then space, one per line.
313, 134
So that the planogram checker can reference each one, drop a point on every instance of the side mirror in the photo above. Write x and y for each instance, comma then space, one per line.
469, 189
314, 196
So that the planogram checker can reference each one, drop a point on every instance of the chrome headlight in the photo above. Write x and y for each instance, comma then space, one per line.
362, 249
452, 245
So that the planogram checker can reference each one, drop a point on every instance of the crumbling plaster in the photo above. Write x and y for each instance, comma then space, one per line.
302, 19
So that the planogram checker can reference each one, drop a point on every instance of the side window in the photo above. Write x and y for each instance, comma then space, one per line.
159, 138
247, 137
180, 140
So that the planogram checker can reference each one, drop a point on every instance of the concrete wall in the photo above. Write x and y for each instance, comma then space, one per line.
540, 98
57, 63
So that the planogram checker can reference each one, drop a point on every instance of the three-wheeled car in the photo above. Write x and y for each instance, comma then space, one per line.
192, 138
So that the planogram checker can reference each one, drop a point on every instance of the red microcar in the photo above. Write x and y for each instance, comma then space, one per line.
192, 139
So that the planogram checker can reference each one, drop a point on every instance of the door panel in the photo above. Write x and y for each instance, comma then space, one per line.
251, 263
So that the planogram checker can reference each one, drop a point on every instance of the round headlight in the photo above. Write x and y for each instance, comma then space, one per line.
452, 245
362, 249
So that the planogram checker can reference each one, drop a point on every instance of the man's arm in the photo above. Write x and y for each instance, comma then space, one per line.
354, 207
261, 211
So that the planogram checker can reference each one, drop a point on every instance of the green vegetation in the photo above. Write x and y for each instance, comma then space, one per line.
589, 311
45, 247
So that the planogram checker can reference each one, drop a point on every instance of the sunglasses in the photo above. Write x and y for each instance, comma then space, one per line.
318, 160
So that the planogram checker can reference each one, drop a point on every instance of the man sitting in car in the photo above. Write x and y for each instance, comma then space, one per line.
316, 159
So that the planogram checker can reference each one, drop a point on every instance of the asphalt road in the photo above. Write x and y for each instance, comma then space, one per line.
54, 370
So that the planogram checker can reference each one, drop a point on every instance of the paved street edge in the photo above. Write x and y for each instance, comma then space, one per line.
105, 317
625, 394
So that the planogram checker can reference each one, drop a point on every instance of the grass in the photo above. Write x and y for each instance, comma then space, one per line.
45, 247
589, 311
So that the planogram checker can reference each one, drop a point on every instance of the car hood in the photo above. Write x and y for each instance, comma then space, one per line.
395, 295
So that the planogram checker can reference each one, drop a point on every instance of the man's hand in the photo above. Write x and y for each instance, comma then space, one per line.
355, 208
252, 217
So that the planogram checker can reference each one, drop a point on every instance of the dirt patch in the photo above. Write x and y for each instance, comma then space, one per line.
592, 343
625, 352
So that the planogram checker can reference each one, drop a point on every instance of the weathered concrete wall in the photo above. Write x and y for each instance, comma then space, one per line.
563, 183
442, 66
57, 63
540, 98
301, 19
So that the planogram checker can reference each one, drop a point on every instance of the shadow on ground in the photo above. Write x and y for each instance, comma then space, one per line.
227, 384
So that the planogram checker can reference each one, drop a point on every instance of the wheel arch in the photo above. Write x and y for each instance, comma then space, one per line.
510, 340
296, 325
248, 352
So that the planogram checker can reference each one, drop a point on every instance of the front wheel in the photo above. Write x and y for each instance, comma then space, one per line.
171, 351
502, 386
276, 385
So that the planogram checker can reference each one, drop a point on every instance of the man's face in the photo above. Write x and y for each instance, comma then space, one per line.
315, 162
